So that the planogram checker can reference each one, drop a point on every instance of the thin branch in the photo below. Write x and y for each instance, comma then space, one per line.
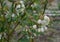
14, 28
45, 6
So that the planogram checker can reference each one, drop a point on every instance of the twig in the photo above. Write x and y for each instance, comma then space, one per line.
45, 6
14, 28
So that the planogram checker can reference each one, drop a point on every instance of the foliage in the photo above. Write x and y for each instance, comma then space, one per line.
20, 18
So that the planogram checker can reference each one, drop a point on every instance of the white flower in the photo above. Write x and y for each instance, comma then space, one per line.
45, 28
21, 2
39, 21
1, 15
35, 4
34, 26
18, 6
6, 15
26, 29
43, 22
22, 10
0, 36
39, 30
47, 20
23, 5
42, 29
13, 15
17, 13
28, 37
34, 34
34, 11
4, 33
31, 37
32, 6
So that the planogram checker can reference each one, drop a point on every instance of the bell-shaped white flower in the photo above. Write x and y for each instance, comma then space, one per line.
18, 6
39, 30
21, 2
45, 28
28, 37
34, 34
0, 36
39, 21
26, 29
34, 26
31, 37
34, 11
17, 14
13, 15
43, 22
46, 19
7, 14
23, 5
42, 29
33, 5
22, 9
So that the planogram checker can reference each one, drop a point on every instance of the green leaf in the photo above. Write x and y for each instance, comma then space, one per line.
24, 40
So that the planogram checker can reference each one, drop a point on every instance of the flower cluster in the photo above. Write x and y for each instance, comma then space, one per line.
43, 23
20, 7
38, 28
19, 18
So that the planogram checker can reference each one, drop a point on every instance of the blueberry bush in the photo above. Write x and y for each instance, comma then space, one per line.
22, 20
